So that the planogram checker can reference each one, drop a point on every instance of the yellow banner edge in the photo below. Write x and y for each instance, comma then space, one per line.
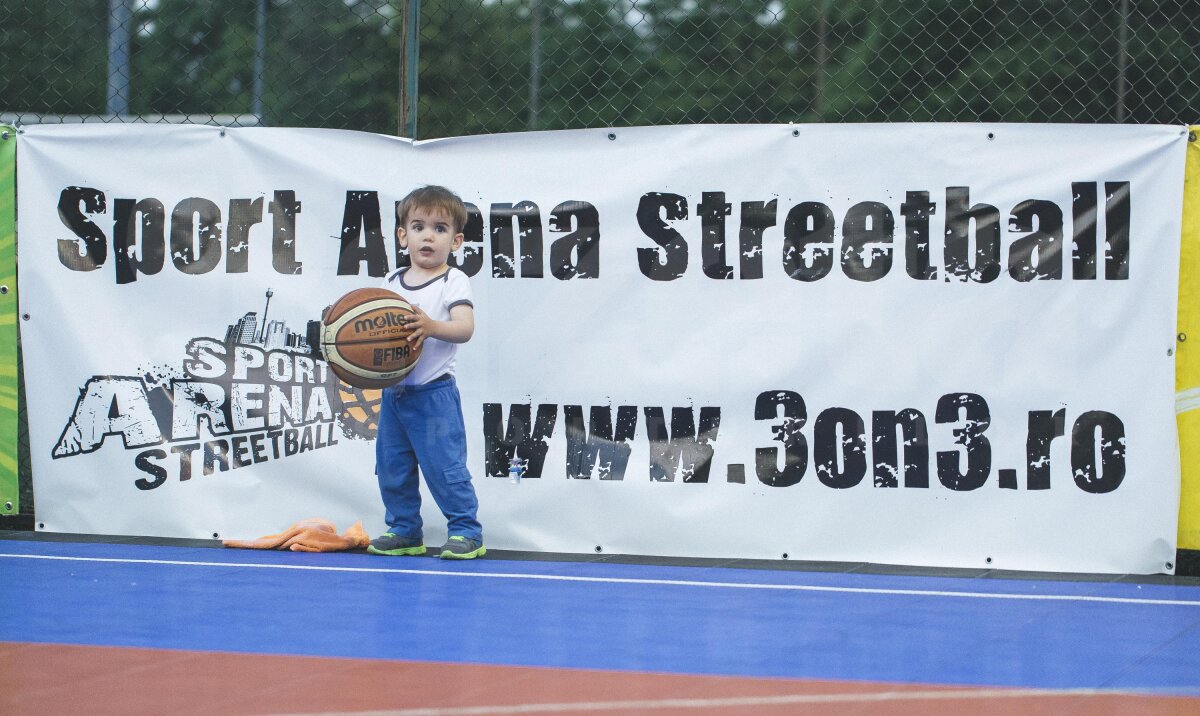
1187, 351
9, 409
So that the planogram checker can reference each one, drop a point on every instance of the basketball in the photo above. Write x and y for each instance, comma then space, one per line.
363, 338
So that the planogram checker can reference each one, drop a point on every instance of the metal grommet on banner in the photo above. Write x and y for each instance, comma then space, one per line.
987, 560
1191, 136
795, 132
785, 555
216, 535
991, 136
598, 550
24, 316
4, 136
1170, 352
3, 289
1181, 337
612, 136
222, 131
8, 506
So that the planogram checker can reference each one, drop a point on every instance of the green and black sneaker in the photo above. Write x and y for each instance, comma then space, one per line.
393, 546
458, 547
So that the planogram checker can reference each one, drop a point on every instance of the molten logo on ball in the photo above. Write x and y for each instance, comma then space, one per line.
387, 320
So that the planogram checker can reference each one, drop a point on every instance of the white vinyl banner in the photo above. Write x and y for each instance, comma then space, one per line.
943, 345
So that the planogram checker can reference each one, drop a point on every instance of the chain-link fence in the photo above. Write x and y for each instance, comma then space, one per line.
431, 68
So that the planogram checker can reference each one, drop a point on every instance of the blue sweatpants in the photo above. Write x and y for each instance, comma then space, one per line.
422, 425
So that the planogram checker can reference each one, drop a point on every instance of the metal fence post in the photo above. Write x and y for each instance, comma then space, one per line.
119, 77
260, 60
535, 64
1122, 59
410, 57
822, 57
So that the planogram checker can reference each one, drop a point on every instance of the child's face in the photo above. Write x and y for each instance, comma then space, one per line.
429, 236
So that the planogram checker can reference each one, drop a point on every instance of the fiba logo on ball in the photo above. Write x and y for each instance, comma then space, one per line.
364, 338
392, 354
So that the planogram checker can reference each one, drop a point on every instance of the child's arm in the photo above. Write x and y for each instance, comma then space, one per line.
458, 329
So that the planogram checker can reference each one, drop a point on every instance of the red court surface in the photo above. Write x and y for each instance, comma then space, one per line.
41, 678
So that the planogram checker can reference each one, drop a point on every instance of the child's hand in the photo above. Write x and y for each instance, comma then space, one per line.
420, 326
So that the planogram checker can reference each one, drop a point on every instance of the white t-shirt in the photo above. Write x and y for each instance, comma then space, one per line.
435, 297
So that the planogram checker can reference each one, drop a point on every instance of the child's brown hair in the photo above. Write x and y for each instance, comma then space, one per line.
434, 197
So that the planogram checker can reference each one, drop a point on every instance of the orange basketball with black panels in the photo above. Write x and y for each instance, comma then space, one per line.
364, 338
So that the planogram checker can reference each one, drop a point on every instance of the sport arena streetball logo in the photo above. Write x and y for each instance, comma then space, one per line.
254, 396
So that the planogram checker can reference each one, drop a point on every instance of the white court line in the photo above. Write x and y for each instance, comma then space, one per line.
716, 703
627, 580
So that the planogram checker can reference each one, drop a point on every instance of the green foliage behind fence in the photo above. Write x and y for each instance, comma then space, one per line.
505, 65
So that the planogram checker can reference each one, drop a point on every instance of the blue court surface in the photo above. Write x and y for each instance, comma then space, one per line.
1132, 635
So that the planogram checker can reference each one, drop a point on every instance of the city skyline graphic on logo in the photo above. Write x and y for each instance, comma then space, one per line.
270, 334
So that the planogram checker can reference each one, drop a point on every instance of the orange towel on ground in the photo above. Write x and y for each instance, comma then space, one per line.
312, 535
